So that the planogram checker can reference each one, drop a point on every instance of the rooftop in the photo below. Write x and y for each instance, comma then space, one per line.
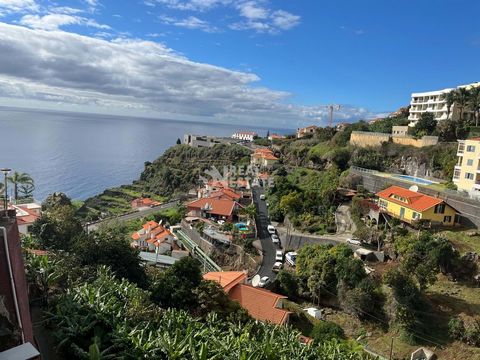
223, 207
226, 279
413, 200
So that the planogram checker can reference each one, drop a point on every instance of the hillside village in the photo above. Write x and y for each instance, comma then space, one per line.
363, 236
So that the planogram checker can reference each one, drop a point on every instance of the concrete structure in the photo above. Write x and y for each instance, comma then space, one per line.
371, 139
206, 141
435, 102
411, 206
467, 170
15, 320
159, 260
245, 135
400, 130
309, 130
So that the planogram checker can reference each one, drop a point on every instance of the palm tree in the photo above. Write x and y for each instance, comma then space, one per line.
461, 100
17, 179
474, 103
450, 100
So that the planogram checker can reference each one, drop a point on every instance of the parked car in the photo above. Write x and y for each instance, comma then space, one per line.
262, 197
275, 239
279, 255
277, 266
264, 281
354, 241
291, 258
271, 229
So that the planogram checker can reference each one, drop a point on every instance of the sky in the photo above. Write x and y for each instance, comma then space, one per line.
276, 62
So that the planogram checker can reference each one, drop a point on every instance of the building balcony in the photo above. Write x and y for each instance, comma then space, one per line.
476, 186
456, 179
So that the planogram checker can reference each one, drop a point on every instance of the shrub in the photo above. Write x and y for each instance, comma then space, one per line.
326, 331
456, 328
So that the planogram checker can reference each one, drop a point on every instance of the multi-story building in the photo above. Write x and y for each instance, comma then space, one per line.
435, 102
245, 135
467, 170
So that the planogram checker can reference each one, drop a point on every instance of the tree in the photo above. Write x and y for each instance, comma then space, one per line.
57, 229
474, 102
26, 190
462, 98
110, 248
449, 100
425, 125
179, 141
325, 331
17, 179
364, 301
287, 283
447, 131
173, 287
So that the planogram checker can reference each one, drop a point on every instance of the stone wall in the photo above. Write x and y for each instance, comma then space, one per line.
469, 209
367, 139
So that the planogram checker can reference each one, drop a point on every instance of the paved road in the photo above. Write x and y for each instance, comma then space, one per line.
134, 215
295, 240
268, 247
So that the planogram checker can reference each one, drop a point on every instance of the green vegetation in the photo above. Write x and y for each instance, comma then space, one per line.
100, 303
173, 174
307, 197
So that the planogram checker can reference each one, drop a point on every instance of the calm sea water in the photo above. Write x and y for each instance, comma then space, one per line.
83, 154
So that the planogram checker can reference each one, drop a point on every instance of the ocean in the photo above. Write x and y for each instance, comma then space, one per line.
83, 154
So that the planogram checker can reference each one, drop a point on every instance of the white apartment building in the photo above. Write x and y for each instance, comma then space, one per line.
434, 102
244, 135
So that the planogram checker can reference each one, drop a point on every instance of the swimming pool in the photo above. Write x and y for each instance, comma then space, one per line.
415, 179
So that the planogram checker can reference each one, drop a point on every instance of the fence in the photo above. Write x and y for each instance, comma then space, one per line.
196, 251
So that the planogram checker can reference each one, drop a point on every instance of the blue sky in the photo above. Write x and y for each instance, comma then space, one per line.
276, 61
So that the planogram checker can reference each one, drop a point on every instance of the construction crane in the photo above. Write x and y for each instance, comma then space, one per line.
331, 108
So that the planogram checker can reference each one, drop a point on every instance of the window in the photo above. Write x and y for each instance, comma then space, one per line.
469, 162
382, 203
416, 216
399, 198
469, 176
447, 219
470, 148
439, 209
456, 174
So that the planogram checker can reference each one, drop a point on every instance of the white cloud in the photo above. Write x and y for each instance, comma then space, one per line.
110, 75
55, 21
251, 10
190, 22
253, 14
14, 6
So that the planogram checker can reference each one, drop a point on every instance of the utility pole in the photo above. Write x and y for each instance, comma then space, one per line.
5, 199
391, 349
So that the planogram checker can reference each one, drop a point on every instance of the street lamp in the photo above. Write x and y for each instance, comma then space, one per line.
5, 199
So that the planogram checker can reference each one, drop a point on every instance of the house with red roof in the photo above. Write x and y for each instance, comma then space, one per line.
27, 214
411, 206
153, 237
220, 208
144, 203
261, 304
263, 157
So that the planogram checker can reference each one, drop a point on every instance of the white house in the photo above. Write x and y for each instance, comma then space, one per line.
244, 135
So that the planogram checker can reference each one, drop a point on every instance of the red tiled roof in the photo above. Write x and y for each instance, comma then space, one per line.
30, 218
226, 192
415, 201
226, 279
221, 207
151, 224
261, 304
218, 183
